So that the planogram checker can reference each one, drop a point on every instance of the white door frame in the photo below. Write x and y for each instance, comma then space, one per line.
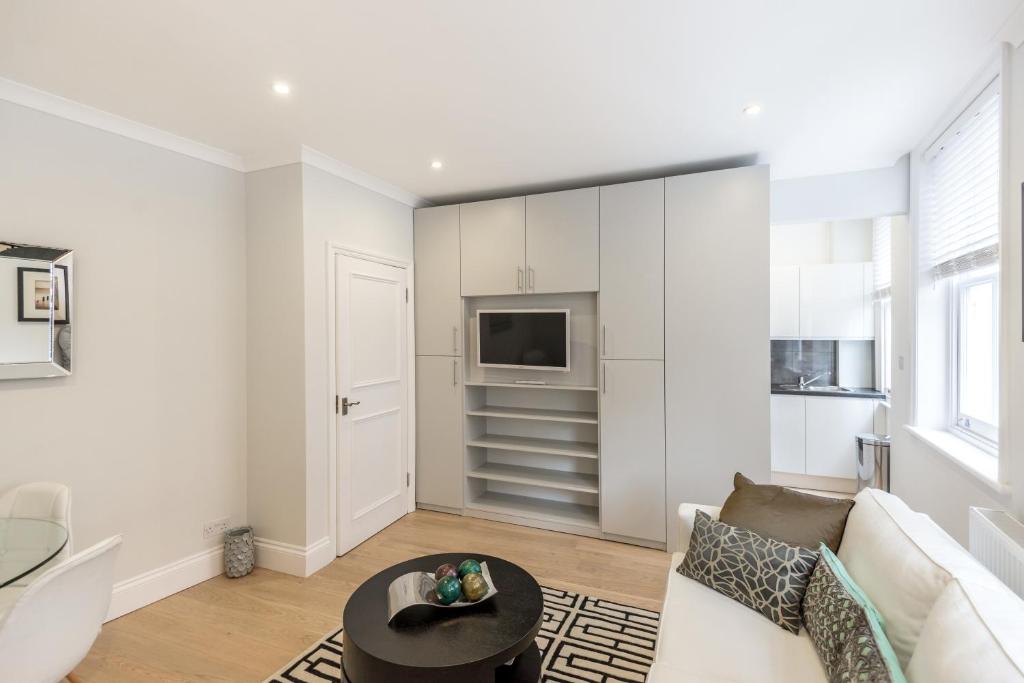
334, 249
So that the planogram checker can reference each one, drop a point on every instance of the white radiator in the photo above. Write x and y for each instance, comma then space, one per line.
997, 540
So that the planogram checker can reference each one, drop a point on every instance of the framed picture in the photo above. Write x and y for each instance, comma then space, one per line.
35, 291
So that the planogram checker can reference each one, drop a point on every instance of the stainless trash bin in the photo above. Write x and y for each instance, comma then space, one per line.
873, 461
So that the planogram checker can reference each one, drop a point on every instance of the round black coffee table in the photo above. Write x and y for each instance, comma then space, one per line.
427, 644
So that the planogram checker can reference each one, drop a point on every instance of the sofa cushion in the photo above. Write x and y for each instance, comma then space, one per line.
766, 575
786, 515
704, 636
845, 628
903, 561
975, 632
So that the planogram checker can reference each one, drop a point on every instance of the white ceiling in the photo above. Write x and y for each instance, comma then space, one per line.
513, 95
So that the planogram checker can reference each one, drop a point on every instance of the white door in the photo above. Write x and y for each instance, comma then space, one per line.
373, 399
788, 434
633, 270
562, 241
493, 247
784, 310
633, 448
832, 428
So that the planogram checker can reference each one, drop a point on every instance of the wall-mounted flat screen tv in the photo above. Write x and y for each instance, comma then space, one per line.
535, 339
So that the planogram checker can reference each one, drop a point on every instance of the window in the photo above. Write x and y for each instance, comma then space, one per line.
885, 343
959, 251
881, 258
976, 372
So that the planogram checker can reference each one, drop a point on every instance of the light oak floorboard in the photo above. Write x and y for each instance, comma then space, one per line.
246, 629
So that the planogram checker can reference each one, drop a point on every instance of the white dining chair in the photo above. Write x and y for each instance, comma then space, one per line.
41, 500
53, 622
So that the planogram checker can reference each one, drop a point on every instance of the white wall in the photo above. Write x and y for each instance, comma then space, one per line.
929, 481
20, 342
276, 355
844, 196
149, 431
340, 212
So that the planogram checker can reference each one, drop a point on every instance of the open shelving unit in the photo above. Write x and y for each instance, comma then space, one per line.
532, 454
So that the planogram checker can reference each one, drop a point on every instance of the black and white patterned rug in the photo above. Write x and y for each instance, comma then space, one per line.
583, 640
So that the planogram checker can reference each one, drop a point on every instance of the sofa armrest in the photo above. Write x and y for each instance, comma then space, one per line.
687, 516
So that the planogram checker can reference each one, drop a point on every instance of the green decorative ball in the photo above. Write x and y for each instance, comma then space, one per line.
448, 590
474, 587
469, 567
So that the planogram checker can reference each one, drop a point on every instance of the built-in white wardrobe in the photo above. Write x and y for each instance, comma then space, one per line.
667, 284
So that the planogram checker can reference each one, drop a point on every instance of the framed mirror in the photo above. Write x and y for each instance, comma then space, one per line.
36, 311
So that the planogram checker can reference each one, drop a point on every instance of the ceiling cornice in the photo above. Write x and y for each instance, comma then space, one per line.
340, 169
27, 96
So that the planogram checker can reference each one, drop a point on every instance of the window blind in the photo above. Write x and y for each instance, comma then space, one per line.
960, 199
881, 256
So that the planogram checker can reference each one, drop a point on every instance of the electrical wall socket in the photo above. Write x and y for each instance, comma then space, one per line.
216, 527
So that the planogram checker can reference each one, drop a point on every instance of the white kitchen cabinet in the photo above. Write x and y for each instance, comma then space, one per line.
438, 288
788, 434
632, 259
562, 242
784, 318
633, 449
493, 253
439, 444
832, 426
832, 301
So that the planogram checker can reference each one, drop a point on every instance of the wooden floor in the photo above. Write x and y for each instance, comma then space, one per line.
246, 629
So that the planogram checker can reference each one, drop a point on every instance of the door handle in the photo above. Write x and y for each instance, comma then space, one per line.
604, 378
455, 373
604, 340
455, 338
345, 405
519, 279
529, 284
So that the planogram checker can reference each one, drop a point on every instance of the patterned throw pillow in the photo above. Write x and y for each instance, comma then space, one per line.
766, 575
846, 628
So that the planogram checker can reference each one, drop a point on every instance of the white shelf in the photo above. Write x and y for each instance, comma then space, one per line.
513, 385
575, 449
575, 416
537, 508
536, 476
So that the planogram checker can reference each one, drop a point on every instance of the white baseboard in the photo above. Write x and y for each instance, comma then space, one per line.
144, 589
294, 559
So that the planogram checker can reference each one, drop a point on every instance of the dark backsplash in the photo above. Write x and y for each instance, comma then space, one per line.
793, 359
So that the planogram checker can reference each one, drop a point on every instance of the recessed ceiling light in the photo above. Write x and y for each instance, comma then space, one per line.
436, 164
752, 110
282, 88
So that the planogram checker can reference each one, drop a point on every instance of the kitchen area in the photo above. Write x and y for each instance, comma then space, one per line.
827, 351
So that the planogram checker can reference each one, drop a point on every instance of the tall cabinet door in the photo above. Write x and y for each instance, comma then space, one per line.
493, 237
439, 443
562, 241
438, 297
633, 270
633, 449
717, 359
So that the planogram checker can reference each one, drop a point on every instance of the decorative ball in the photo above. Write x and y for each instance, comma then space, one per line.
468, 567
446, 570
474, 587
448, 590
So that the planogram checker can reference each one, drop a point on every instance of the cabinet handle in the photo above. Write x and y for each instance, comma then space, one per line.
604, 340
530, 284
455, 372
455, 338
604, 378
519, 279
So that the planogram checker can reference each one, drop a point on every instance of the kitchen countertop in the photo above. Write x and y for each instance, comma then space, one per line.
844, 392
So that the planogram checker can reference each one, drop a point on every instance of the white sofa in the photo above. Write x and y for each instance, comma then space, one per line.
948, 619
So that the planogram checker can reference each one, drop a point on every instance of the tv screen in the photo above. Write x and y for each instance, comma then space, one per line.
533, 340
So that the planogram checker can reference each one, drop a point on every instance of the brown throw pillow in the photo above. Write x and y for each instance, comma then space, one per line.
786, 515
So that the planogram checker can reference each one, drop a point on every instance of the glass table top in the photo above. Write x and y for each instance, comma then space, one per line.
26, 545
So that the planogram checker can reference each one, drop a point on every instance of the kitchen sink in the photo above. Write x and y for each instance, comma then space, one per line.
796, 387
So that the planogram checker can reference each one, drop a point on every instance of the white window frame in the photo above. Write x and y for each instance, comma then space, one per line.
885, 342
978, 432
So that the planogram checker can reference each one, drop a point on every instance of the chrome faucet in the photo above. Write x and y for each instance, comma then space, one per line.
805, 384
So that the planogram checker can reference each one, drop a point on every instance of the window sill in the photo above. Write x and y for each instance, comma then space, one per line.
974, 461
